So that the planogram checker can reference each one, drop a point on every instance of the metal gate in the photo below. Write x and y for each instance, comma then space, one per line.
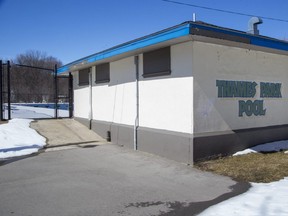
34, 92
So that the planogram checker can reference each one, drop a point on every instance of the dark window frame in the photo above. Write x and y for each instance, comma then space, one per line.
157, 62
102, 73
83, 76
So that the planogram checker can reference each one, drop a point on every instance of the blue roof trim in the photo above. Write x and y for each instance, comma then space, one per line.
62, 69
257, 40
176, 32
181, 31
270, 43
153, 39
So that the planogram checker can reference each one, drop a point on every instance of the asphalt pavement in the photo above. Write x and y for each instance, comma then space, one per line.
107, 180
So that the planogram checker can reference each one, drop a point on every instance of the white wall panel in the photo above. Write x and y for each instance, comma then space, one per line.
166, 102
116, 101
217, 62
81, 98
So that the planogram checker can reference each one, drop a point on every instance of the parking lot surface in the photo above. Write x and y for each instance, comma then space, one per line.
107, 180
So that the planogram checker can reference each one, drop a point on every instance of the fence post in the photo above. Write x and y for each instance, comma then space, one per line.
1, 92
56, 91
8, 90
70, 93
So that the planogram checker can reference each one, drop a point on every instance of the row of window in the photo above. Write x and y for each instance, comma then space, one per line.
102, 74
155, 63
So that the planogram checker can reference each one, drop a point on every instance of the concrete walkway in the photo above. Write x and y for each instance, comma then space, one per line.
65, 132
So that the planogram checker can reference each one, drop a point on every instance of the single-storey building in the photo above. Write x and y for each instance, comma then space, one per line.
188, 92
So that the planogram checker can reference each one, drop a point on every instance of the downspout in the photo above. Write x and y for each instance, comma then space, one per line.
1, 92
56, 91
9, 89
90, 100
136, 123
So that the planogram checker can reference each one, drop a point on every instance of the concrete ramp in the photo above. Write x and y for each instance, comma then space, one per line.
62, 132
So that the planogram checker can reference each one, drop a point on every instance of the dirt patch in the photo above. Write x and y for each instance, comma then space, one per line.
255, 167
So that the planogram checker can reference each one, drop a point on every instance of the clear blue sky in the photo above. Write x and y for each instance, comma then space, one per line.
72, 29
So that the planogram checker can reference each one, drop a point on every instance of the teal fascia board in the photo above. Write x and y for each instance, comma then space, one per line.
254, 39
62, 69
153, 39
279, 45
172, 33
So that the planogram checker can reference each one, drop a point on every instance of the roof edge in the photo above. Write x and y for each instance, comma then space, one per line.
237, 36
180, 30
183, 29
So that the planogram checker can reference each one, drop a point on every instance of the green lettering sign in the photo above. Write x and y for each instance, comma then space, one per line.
248, 89
251, 108
270, 90
236, 88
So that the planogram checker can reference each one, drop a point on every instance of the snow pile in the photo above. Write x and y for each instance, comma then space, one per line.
261, 199
268, 147
17, 139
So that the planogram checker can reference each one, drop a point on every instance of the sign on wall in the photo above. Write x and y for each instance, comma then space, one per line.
248, 89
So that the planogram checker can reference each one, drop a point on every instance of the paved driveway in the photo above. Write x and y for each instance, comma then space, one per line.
107, 180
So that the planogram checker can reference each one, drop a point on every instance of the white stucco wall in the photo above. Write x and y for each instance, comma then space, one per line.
169, 103
217, 62
116, 101
166, 102
81, 98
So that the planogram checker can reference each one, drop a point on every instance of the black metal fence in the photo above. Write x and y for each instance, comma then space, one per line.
34, 92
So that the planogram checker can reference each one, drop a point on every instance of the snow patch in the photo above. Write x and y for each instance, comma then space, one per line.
261, 199
18, 139
268, 147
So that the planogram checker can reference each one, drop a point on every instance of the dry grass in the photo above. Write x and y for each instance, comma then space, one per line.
256, 167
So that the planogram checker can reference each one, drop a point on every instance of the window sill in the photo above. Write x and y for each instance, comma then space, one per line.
102, 81
83, 84
154, 74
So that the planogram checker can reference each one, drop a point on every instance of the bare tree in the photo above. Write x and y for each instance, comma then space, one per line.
31, 85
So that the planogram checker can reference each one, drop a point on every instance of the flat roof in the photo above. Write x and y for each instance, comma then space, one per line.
178, 31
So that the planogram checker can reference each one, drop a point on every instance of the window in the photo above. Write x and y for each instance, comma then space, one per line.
157, 62
84, 77
102, 73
